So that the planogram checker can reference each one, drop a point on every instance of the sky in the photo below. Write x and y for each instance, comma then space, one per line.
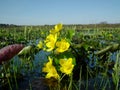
42, 12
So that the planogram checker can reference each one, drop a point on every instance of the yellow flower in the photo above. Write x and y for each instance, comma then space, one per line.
40, 45
62, 46
56, 29
50, 70
50, 41
66, 66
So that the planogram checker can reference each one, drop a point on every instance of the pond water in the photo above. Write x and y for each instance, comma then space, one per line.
40, 57
28, 73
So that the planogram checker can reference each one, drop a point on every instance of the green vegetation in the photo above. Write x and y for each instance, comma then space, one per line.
95, 50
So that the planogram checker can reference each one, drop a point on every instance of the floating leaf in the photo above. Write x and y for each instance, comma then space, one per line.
111, 48
9, 52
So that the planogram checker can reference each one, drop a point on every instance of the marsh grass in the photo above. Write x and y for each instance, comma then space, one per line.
29, 35
7, 73
116, 72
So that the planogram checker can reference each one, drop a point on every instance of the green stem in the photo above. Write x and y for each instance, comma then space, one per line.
7, 77
70, 84
15, 71
62, 77
74, 50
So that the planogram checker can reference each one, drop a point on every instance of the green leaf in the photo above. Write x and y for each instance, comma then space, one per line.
86, 46
25, 50
70, 34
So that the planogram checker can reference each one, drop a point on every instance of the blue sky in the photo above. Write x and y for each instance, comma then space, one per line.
40, 12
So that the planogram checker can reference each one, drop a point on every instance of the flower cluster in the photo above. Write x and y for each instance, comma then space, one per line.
66, 67
52, 40
59, 45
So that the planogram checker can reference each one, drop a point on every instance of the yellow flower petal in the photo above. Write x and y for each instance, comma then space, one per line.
50, 69
40, 45
66, 66
48, 65
50, 41
62, 46
52, 73
58, 26
56, 29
